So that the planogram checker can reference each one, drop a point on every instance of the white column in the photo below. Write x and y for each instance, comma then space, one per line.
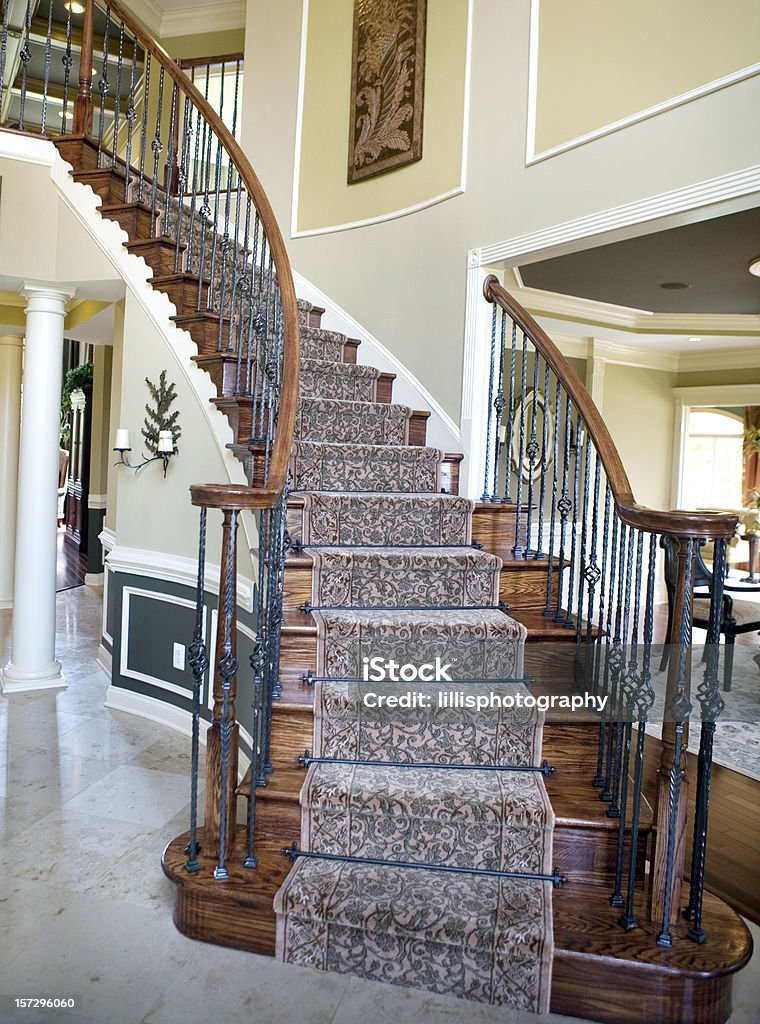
33, 665
10, 420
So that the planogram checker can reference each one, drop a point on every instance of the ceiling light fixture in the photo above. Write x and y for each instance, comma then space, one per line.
754, 267
673, 286
74, 7
695, 339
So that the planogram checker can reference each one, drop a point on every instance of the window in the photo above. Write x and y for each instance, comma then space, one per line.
713, 460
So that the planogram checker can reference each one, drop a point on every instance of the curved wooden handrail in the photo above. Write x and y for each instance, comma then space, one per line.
676, 522
280, 457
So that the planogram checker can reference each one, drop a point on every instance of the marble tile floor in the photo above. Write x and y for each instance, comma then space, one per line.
88, 799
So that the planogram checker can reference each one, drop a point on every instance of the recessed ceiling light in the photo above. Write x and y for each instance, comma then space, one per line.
754, 267
74, 7
695, 339
674, 286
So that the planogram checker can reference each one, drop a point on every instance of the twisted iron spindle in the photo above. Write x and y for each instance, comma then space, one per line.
532, 450
103, 84
519, 549
130, 116
117, 95
553, 515
680, 707
46, 73
542, 472
227, 669
67, 60
499, 404
156, 147
198, 658
564, 505
144, 130
644, 701
510, 415
486, 496
712, 705
25, 55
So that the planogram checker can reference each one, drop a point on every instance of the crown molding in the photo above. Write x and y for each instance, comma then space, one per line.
730, 359
636, 321
188, 21
211, 17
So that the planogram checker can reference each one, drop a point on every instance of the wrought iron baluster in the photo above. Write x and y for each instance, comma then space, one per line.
613, 810
156, 148
499, 403
4, 49
169, 184
25, 55
226, 246
251, 373
629, 687
679, 708
617, 664
144, 130
580, 437
46, 73
217, 189
564, 505
258, 661
240, 256
182, 177
510, 416
519, 549
644, 699
712, 705
490, 409
206, 220
67, 60
600, 646
198, 658
117, 95
542, 472
227, 669
131, 114
552, 519
605, 736
103, 84
191, 212
531, 451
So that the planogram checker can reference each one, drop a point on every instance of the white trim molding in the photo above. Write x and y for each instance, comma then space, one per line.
160, 565
190, 20
392, 214
126, 610
532, 157
737, 185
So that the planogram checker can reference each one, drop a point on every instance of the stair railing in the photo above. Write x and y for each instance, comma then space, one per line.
550, 455
146, 138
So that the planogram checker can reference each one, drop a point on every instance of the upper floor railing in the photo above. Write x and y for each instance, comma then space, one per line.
159, 144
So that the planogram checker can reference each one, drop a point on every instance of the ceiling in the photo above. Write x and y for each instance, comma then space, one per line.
710, 257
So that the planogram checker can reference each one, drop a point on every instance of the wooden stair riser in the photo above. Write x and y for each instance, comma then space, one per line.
349, 350
524, 586
296, 584
159, 253
223, 370
106, 183
418, 428
203, 328
494, 526
182, 290
384, 388
134, 218
314, 318
78, 151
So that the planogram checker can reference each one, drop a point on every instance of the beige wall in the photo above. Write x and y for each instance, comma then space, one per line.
325, 198
638, 409
404, 280
705, 378
205, 44
600, 61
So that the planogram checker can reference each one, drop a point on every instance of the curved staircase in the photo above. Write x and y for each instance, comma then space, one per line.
427, 847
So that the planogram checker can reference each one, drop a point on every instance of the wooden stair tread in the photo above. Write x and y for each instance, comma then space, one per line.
586, 926
576, 803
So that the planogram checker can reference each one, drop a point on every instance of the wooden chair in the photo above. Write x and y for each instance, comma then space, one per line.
738, 616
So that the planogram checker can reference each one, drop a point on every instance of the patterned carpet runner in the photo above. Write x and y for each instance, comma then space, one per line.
395, 577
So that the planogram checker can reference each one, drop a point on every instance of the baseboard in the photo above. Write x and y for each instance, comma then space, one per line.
94, 579
104, 660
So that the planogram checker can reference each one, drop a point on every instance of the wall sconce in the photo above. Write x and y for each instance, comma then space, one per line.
164, 450
160, 428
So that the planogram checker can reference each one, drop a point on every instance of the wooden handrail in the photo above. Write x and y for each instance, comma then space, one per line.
280, 456
677, 522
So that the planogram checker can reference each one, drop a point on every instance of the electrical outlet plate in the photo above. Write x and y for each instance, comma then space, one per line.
178, 657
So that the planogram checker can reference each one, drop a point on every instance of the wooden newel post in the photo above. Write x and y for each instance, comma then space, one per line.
679, 675
225, 655
83, 104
